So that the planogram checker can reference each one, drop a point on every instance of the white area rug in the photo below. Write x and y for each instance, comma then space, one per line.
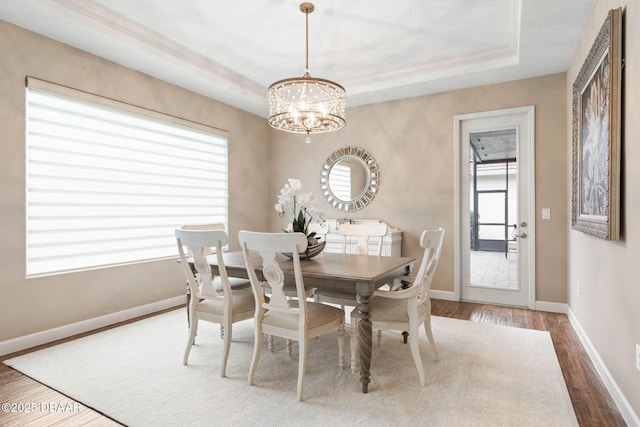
487, 376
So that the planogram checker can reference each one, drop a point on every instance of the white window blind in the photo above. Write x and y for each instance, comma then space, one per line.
108, 186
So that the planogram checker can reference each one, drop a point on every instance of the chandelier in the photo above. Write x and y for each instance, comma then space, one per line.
306, 104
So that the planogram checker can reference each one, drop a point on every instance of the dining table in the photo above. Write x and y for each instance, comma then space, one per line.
359, 275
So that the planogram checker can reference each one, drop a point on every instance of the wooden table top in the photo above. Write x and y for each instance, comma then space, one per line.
339, 270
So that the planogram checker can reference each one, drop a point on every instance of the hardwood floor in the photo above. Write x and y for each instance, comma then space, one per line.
591, 401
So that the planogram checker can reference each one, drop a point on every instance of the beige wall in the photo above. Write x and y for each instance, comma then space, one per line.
608, 307
412, 140
28, 306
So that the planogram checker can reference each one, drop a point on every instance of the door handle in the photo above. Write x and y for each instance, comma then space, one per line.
522, 236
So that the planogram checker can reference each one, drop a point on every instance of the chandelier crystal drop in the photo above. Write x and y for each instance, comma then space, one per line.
306, 104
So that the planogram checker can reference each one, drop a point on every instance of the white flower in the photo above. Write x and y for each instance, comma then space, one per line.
303, 207
295, 184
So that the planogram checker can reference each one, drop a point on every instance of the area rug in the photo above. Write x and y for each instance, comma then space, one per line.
487, 376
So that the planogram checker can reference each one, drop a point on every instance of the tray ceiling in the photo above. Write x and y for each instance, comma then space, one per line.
378, 50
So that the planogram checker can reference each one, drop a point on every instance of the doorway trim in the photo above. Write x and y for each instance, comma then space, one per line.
457, 180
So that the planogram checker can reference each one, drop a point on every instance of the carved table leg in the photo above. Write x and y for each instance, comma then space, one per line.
365, 339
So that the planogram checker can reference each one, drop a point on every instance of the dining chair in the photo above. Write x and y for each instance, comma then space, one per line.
356, 237
355, 240
321, 230
217, 226
234, 282
294, 319
406, 309
212, 299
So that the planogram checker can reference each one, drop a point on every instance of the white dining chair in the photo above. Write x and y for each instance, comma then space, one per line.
234, 282
321, 230
355, 240
216, 226
407, 309
211, 300
294, 319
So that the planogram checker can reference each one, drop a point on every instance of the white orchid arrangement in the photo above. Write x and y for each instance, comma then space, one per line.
303, 206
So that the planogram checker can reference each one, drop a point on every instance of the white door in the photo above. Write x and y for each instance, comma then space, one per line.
495, 207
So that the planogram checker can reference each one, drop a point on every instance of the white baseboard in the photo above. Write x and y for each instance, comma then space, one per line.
627, 412
552, 307
445, 295
38, 338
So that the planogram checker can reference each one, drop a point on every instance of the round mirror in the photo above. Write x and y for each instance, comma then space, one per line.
349, 179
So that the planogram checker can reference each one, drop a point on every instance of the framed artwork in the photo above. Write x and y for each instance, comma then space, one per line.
596, 135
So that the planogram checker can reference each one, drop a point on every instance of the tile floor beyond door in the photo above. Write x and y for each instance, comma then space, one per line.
493, 269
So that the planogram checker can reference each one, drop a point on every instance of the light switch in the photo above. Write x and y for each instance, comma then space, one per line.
546, 213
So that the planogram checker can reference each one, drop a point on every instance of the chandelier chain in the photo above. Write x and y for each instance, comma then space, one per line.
306, 65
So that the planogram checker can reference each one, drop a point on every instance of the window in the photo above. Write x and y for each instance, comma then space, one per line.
107, 183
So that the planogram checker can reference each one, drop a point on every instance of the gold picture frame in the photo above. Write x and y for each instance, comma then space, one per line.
597, 93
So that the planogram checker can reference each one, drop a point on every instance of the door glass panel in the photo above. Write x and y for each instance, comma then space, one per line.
493, 210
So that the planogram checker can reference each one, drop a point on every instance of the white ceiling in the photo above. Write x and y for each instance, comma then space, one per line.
378, 50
